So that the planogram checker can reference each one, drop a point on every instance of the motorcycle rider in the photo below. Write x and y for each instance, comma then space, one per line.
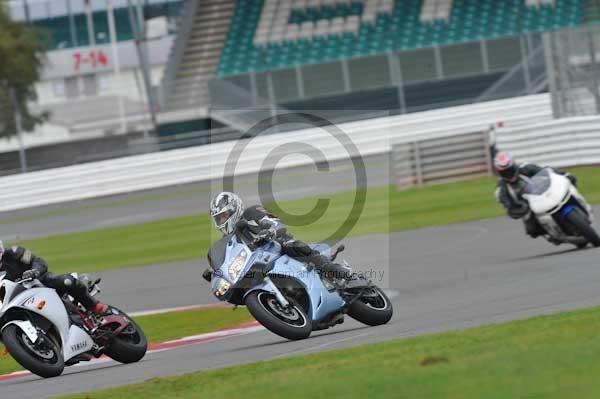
255, 226
513, 178
20, 263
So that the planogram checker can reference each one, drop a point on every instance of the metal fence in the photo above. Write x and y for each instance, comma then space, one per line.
397, 70
573, 58
565, 142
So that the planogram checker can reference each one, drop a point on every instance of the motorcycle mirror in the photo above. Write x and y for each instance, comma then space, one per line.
337, 251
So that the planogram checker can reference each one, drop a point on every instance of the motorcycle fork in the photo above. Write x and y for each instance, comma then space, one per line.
280, 298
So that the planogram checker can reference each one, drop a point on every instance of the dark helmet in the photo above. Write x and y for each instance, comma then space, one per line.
506, 166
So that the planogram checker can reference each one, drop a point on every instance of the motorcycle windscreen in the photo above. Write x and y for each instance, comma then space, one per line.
539, 184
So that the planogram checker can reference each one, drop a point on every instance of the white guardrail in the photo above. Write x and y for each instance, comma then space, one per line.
558, 143
142, 172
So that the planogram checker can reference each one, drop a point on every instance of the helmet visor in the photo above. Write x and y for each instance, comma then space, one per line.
222, 217
508, 173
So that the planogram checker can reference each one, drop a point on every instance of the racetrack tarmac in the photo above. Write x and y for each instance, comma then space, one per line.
446, 278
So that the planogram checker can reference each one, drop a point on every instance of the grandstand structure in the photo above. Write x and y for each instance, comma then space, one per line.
79, 23
196, 53
398, 55
79, 87
210, 57
284, 33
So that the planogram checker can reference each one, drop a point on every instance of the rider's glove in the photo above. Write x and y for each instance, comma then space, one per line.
572, 178
264, 236
30, 274
518, 212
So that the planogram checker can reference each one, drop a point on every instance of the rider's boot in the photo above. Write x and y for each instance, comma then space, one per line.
331, 321
337, 319
553, 240
336, 274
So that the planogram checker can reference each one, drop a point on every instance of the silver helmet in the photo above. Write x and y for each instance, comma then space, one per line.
226, 210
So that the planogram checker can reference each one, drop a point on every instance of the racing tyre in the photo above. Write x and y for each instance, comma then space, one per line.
581, 222
291, 323
373, 309
129, 346
45, 360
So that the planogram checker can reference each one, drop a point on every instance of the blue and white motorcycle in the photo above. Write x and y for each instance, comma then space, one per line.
286, 296
560, 209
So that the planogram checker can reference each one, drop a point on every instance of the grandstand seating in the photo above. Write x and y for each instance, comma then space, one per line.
591, 11
269, 34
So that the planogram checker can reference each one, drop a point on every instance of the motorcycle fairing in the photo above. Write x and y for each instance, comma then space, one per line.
547, 192
549, 195
78, 342
73, 339
321, 302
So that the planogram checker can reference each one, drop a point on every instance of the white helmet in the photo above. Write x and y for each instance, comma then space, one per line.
226, 210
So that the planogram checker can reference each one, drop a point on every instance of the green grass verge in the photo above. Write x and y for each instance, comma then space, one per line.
189, 237
550, 356
168, 326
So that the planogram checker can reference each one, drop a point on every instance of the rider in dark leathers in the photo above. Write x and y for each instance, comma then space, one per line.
513, 179
256, 225
21, 263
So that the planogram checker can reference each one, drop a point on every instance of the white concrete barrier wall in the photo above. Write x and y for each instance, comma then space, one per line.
559, 143
200, 163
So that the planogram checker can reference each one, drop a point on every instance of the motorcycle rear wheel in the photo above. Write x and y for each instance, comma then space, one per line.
130, 345
373, 310
291, 323
582, 223
46, 364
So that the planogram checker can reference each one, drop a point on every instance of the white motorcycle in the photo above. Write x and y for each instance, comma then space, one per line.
44, 332
560, 209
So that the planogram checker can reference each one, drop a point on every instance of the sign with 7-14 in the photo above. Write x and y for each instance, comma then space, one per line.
91, 59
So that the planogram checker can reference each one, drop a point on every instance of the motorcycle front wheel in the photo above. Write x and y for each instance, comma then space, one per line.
45, 359
579, 219
291, 322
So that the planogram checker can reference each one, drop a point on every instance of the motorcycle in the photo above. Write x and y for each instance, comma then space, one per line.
560, 209
44, 332
286, 296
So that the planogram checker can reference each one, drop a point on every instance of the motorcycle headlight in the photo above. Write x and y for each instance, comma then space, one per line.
237, 265
222, 287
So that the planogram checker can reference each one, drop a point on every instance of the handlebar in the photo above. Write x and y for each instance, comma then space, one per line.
337, 251
263, 236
